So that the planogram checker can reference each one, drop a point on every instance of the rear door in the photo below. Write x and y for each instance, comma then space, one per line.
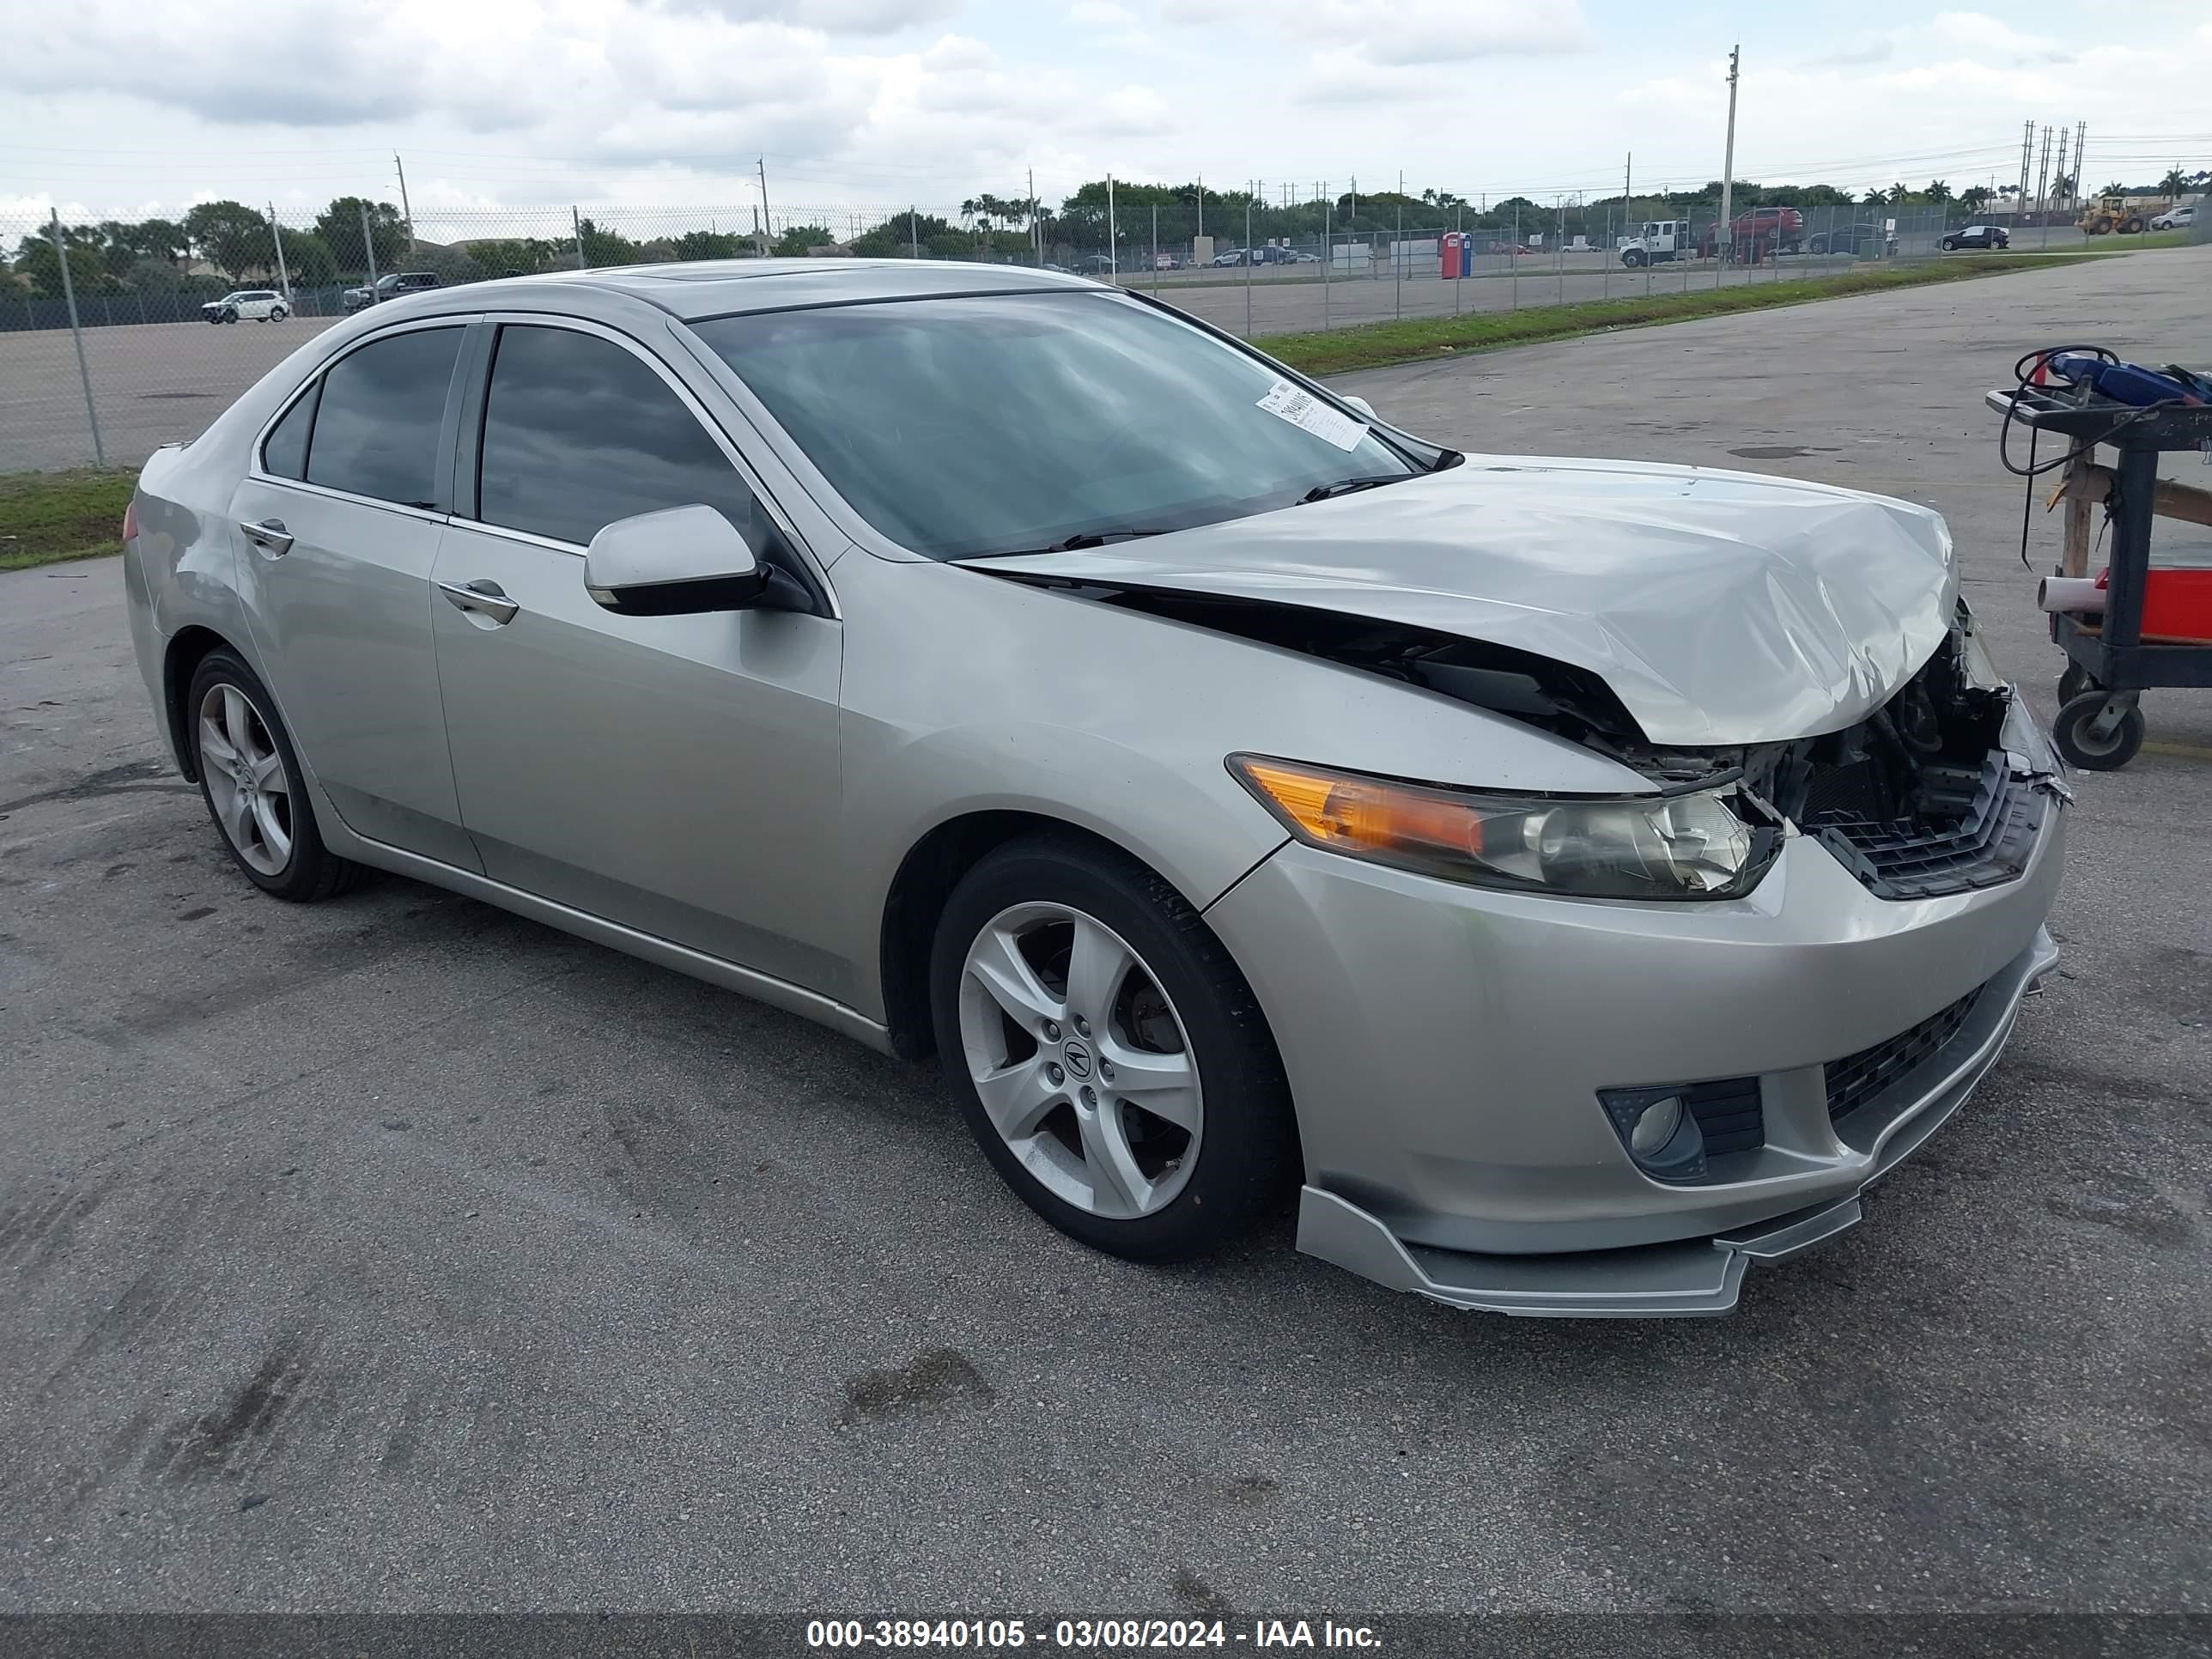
677, 775
338, 520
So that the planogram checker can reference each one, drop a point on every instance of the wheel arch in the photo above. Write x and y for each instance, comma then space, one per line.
932, 867
188, 648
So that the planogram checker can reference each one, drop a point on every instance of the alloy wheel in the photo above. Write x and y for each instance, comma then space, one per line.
246, 782
1080, 1060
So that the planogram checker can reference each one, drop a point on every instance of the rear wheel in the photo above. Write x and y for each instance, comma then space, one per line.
251, 780
1107, 1054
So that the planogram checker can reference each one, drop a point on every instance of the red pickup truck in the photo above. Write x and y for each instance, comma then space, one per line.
1774, 230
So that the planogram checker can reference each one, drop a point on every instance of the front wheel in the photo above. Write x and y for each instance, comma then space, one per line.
1108, 1056
1633, 258
251, 779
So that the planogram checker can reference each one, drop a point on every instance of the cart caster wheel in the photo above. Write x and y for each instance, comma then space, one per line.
2070, 732
2073, 682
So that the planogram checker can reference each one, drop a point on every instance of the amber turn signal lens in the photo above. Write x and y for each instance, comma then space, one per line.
1364, 814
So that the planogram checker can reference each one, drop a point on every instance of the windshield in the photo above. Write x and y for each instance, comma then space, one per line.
1016, 423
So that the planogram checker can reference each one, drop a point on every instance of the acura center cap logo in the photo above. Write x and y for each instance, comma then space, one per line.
1078, 1058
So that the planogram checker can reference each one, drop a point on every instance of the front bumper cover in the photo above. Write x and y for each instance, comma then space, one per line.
1689, 1276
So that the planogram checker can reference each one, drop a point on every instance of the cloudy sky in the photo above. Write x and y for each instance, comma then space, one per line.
123, 107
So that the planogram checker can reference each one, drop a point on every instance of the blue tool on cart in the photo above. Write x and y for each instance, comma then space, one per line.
2128, 383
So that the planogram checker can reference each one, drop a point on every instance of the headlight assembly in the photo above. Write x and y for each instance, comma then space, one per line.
1692, 846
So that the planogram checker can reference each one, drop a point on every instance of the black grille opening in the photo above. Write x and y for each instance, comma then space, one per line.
1727, 1114
1857, 1078
1989, 842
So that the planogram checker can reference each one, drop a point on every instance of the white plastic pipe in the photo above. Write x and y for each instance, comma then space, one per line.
2074, 593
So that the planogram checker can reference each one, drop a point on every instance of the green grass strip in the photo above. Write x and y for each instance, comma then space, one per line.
48, 517
1372, 345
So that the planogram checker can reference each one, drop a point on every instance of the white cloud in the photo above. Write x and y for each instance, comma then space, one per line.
1101, 15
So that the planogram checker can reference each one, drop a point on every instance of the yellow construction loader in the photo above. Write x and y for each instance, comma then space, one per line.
2116, 213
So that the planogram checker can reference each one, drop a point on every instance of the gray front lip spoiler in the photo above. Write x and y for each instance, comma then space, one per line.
1695, 1276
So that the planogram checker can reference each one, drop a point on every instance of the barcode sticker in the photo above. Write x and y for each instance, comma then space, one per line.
1304, 411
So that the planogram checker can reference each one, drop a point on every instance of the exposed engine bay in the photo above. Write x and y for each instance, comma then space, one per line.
1921, 797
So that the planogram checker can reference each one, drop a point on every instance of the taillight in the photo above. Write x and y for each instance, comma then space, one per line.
130, 519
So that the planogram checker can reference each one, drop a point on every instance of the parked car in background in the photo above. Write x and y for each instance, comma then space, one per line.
390, 286
1577, 930
260, 305
1234, 256
1868, 240
1982, 236
2178, 218
1166, 262
1300, 257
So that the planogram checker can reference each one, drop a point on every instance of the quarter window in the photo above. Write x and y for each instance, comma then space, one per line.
284, 453
376, 432
578, 433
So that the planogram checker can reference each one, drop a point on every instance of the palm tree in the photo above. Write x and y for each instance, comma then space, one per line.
2174, 184
1975, 199
1875, 198
1900, 193
1937, 192
2115, 188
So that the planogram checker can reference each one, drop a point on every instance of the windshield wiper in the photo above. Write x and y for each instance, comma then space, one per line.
1346, 486
1073, 545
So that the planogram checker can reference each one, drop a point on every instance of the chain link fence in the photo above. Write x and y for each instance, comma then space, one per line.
116, 337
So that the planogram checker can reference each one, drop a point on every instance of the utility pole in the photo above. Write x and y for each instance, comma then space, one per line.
767, 224
2043, 187
2027, 147
2057, 184
277, 234
1036, 230
1202, 204
1725, 236
406, 211
575, 219
2080, 144
913, 229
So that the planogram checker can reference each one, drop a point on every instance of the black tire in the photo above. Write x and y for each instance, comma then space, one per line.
2075, 682
1247, 1160
313, 873
1633, 258
2070, 733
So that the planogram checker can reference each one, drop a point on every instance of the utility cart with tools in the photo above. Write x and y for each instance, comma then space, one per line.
2133, 628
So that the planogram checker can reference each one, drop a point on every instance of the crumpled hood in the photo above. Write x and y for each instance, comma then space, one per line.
1720, 607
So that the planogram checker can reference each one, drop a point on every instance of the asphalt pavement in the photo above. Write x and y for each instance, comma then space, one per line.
398, 1254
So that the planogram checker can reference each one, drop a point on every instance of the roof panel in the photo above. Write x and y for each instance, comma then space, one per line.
714, 288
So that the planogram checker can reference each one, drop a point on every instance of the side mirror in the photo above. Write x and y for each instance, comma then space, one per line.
1362, 405
678, 561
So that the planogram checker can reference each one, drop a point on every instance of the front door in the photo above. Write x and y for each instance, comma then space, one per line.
677, 775
337, 527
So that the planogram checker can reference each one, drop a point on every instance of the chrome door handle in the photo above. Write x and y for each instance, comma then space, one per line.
270, 536
482, 597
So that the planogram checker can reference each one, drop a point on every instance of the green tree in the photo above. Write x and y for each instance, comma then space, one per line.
603, 248
39, 266
2175, 184
232, 237
897, 237
1874, 198
712, 245
2115, 188
308, 260
798, 239
339, 226
1975, 199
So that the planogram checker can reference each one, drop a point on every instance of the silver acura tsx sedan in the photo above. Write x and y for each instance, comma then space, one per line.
1578, 879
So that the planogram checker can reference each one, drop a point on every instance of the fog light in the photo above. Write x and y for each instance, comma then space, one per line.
1655, 1126
1662, 1134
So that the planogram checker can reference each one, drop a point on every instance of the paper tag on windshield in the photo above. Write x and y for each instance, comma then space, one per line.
1302, 409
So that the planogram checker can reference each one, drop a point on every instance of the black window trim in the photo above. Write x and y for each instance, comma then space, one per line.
258, 469
467, 449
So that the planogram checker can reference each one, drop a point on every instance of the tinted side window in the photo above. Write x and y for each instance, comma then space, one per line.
285, 453
578, 433
376, 432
